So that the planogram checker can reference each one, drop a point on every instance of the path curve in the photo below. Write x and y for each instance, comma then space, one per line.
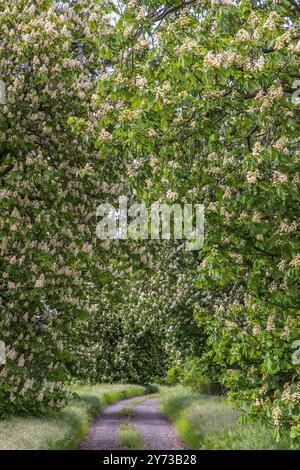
156, 431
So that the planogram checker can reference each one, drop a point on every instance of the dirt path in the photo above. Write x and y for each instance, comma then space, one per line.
156, 430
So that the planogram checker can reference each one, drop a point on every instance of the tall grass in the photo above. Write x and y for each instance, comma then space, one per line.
66, 429
210, 423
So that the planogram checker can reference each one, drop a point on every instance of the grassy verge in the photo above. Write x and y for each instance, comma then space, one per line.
209, 423
130, 439
66, 429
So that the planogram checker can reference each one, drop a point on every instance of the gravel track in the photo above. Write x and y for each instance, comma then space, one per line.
156, 431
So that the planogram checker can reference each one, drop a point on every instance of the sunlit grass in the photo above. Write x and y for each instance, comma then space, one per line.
66, 429
130, 439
